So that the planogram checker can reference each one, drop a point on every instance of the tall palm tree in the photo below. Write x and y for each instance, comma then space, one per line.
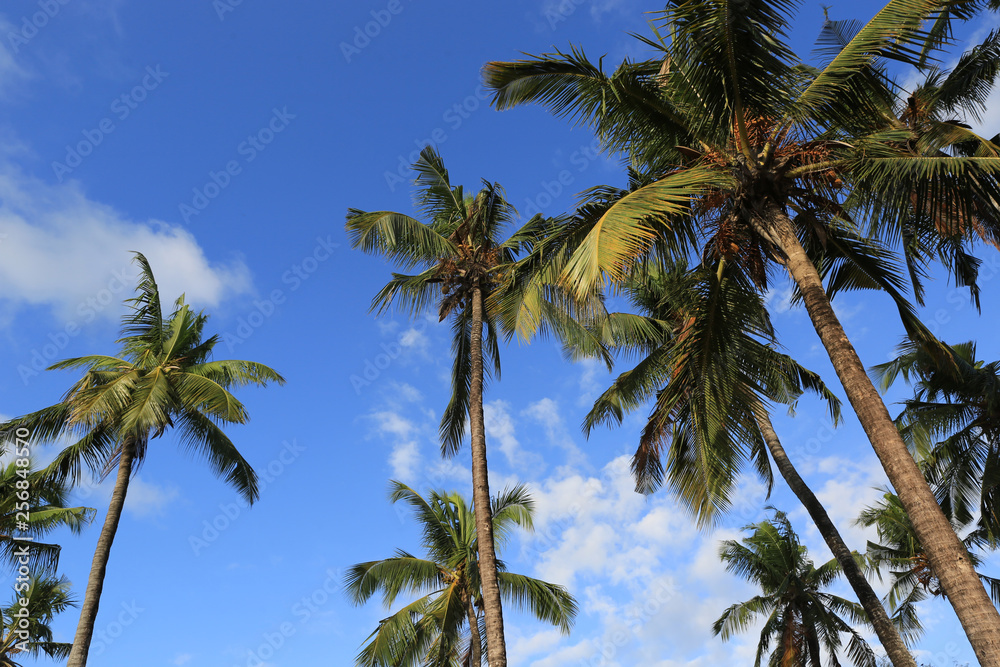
163, 378
759, 155
464, 262
699, 335
43, 511
953, 425
800, 618
432, 630
899, 553
36, 605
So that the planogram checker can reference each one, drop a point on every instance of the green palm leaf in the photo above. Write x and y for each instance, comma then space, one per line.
431, 630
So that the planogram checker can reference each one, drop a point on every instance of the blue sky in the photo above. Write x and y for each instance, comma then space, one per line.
226, 140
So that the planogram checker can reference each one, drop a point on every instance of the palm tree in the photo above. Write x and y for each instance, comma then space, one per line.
899, 553
464, 263
43, 511
800, 618
953, 425
432, 630
705, 348
760, 156
164, 378
25, 621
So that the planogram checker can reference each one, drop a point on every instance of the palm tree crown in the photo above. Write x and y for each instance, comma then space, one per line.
163, 379
39, 603
46, 511
800, 618
465, 263
952, 423
442, 626
899, 553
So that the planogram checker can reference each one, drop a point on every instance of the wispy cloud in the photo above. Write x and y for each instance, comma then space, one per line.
64, 250
500, 431
147, 499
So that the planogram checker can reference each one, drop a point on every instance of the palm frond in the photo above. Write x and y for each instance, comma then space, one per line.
401, 238
547, 602
202, 436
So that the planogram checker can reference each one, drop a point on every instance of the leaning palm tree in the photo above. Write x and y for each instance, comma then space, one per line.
899, 554
25, 624
163, 378
755, 156
952, 423
43, 511
464, 262
441, 628
705, 349
799, 617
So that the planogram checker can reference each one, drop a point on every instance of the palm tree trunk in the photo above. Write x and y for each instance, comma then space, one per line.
496, 648
92, 598
886, 631
475, 640
813, 641
949, 559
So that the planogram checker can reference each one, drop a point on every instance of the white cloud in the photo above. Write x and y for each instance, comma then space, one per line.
405, 461
405, 457
590, 386
853, 486
519, 649
183, 659
665, 526
10, 71
406, 392
546, 413
414, 339
599, 8
73, 254
847, 312
147, 498
392, 423
778, 298
445, 473
582, 549
586, 526
500, 430
709, 570
568, 655
641, 571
